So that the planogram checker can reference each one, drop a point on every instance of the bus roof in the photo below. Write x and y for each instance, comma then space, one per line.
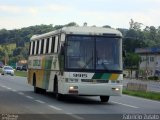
80, 31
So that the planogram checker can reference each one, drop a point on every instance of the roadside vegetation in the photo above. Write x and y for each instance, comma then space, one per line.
148, 95
18, 73
14, 44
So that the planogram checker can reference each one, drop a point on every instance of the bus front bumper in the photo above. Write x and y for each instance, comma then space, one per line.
107, 89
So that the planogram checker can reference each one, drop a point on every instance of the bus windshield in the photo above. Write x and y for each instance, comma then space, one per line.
93, 53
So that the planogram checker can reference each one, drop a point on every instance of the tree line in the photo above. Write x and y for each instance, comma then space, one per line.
137, 36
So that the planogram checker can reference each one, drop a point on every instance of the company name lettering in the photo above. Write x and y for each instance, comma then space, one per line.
80, 75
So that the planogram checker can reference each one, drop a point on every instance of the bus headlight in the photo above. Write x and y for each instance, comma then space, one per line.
115, 89
71, 80
73, 89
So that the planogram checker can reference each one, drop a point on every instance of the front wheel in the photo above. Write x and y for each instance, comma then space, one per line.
58, 95
36, 89
104, 98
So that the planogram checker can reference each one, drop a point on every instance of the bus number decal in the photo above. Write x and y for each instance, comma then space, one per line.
80, 75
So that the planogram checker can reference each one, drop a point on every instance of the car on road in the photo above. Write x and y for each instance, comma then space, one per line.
7, 70
19, 68
24, 67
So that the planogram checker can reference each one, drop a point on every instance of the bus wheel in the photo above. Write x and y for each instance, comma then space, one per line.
58, 95
104, 98
36, 89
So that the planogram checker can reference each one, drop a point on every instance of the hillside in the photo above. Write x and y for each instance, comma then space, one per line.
14, 44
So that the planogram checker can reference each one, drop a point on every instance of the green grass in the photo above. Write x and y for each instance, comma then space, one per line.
20, 73
148, 94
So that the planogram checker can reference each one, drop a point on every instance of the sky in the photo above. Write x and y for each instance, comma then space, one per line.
15, 14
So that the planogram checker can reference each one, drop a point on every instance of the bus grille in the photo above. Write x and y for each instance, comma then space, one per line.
94, 81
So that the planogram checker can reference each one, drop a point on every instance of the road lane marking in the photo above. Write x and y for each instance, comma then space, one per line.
125, 104
8, 88
42, 102
56, 108
3, 86
75, 116
29, 97
14, 90
20, 93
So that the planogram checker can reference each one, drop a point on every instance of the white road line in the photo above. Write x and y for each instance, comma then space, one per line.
75, 116
125, 104
21, 93
56, 108
42, 102
3, 86
14, 90
29, 97
8, 88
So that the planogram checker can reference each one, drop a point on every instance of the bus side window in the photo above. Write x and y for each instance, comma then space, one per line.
62, 49
33, 46
37, 47
42, 45
47, 45
52, 44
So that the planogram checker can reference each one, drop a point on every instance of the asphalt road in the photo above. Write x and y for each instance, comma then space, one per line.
17, 99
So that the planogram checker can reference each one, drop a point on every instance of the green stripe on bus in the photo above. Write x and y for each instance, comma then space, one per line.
97, 76
106, 76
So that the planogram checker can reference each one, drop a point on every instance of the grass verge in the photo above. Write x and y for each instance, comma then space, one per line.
148, 94
20, 73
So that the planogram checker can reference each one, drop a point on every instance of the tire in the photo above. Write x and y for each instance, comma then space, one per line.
104, 98
36, 89
58, 96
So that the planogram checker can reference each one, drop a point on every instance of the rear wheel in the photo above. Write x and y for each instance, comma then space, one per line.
36, 89
104, 98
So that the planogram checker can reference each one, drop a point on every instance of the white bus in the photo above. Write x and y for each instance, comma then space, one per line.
77, 61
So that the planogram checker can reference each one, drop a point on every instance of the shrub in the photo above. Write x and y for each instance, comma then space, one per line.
153, 78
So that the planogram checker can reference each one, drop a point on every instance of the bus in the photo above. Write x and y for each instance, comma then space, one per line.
77, 61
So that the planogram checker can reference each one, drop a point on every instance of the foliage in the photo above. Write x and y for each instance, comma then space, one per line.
21, 38
21, 73
153, 78
134, 37
148, 94
132, 60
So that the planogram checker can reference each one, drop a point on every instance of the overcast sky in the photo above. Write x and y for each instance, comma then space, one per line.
116, 13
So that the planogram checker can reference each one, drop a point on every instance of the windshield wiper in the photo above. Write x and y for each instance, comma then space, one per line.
104, 66
87, 63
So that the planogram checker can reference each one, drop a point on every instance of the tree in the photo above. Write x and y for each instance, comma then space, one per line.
135, 25
132, 61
